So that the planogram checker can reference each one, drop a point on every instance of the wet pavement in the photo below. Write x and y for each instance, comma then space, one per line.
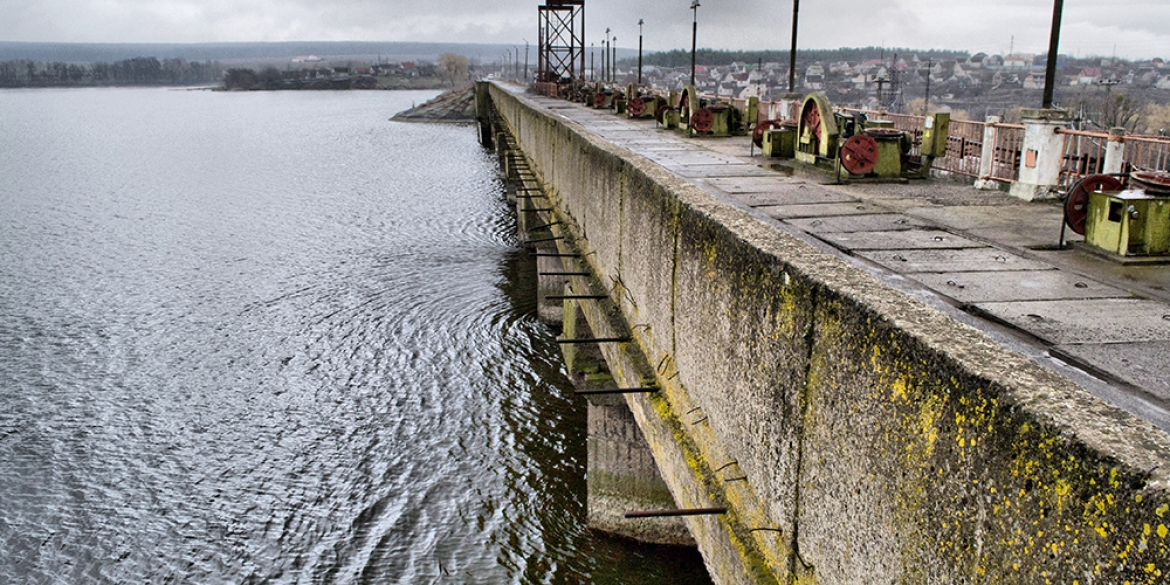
985, 258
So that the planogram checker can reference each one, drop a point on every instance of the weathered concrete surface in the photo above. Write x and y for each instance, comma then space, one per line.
857, 435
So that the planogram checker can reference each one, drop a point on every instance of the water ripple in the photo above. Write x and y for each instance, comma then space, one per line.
272, 338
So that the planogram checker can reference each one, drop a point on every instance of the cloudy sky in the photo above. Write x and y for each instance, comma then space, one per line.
1132, 28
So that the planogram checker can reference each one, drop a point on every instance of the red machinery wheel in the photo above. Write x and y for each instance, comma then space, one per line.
859, 155
660, 113
1076, 203
761, 128
811, 121
599, 100
637, 106
703, 120
1156, 182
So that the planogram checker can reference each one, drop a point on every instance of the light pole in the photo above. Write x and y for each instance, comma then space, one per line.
613, 61
605, 56
792, 51
592, 54
1053, 43
694, 37
525, 60
640, 23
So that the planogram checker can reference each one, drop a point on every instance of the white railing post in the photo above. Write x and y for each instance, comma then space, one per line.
1043, 152
1114, 151
987, 157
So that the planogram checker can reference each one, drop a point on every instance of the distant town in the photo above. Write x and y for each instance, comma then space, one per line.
1105, 92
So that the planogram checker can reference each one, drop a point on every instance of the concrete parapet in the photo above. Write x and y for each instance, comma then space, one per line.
856, 435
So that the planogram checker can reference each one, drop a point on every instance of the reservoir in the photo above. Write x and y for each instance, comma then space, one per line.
276, 338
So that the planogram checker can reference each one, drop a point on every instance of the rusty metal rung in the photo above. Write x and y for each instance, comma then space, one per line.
673, 513
594, 340
647, 389
574, 297
547, 225
545, 240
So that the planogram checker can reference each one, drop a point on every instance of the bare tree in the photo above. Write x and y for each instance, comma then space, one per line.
454, 67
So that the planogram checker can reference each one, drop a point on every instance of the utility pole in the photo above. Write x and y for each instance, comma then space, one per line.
694, 37
792, 51
926, 106
605, 56
525, 60
640, 23
614, 77
1053, 44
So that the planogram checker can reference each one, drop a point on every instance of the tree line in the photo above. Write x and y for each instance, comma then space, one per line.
136, 71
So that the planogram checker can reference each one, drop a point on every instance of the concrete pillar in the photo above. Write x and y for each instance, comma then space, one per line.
987, 157
623, 477
1114, 151
622, 474
1042, 154
483, 113
551, 312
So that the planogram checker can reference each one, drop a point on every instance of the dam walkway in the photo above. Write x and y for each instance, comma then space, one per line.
983, 258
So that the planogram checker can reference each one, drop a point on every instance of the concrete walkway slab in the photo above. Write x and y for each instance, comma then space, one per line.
755, 184
1086, 321
1142, 364
715, 171
821, 210
898, 240
1030, 285
858, 223
962, 260
803, 194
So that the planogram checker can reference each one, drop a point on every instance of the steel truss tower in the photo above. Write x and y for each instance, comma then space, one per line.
561, 51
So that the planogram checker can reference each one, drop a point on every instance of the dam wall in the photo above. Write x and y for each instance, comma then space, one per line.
853, 434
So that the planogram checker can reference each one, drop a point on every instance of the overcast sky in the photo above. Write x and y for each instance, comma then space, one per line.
1132, 28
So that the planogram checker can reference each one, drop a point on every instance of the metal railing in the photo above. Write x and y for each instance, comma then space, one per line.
1147, 153
1084, 154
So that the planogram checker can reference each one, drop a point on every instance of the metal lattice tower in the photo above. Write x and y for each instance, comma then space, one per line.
562, 49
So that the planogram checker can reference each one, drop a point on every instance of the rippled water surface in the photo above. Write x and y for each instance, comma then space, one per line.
273, 337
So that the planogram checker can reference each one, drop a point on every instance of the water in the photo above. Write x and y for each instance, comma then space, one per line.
275, 338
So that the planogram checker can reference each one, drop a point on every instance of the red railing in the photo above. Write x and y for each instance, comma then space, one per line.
1147, 153
1084, 155
1009, 144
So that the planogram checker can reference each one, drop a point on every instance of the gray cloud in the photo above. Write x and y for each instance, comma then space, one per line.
1138, 28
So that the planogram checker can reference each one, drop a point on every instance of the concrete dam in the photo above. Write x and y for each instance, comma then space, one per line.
808, 422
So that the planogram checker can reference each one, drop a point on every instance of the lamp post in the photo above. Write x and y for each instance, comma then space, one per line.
792, 51
640, 23
605, 56
613, 61
1053, 43
525, 60
694, 37
592, 69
